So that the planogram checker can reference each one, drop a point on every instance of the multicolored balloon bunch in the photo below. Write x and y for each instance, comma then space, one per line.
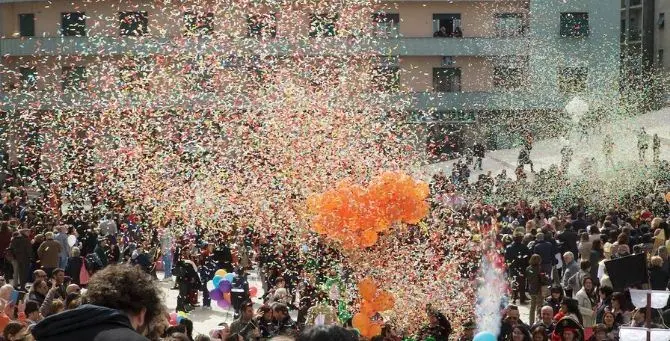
354, 215
175, 318
372, 302
220, 286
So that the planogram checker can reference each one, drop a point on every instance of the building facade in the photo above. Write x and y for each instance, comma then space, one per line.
466, 70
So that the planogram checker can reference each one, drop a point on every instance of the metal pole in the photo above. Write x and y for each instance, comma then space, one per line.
647, 322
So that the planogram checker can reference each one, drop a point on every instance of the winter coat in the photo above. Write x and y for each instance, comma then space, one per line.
534, 279
570, 276
49, 253
569, 240
21, 249
546, 250
88, 322
73, 268
586, 307
658, 278
516, 257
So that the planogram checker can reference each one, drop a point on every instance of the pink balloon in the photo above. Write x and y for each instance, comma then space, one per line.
253, 291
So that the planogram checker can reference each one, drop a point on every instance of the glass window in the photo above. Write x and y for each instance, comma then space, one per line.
447, 25
28, 78
574, 24
573, 79
447, 79
73, 24
323, 25
510, 72
661, 20
27, 24
509, 25
262, 25
386, 25
134, 75
198, 23
134, 23
73, 78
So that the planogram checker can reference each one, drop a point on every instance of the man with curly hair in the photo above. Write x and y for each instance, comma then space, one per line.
121, 302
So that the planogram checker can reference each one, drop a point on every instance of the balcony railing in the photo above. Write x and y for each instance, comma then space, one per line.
429, 46
405, 101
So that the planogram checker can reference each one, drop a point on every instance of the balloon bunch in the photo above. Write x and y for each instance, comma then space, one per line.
372, 302
220, 287
175, 318
354, 215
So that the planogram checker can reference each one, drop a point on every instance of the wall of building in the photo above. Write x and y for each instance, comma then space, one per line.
662, 35
477, 17
417, 73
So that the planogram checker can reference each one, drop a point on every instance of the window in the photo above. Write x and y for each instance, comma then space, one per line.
262, 25
509, 24
200, 72
447, 79
134, 23
73, 78
73, 24
386, 25
28, 78
447, 25
574, 24
660, 57
572, 79
134, 75
198, 24
386, 77
27, 24
661, 20
323, 25
510, 73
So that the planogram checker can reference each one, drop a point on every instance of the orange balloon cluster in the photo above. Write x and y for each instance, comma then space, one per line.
372, 301
354, 215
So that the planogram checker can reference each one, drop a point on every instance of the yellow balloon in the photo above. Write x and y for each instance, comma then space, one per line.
220, 272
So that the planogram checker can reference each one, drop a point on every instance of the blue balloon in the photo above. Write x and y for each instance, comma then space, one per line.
228, 277
485, 336
179, 318
216, 280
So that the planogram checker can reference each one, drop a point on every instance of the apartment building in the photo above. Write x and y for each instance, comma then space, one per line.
465, 70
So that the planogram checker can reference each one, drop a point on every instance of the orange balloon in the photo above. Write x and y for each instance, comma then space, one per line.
373, 330
362, 323
368, 308
367, 288
667, 197
384, 301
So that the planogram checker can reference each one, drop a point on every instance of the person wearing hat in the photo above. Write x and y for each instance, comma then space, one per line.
49, 253
568, 329
468, 331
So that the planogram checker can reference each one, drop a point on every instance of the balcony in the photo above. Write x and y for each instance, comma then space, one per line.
413, 101
100, 46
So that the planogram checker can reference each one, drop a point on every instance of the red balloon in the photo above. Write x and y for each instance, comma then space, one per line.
253, 291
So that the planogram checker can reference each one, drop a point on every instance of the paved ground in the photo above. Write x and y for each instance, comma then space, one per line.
547, 152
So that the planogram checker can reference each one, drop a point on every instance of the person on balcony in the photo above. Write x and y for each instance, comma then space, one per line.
442, 33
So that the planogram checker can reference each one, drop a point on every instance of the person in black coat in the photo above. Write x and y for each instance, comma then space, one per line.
478, 152
73, 267
546, 250
123, 302
658, 278
568, 239
516, 258
439, 327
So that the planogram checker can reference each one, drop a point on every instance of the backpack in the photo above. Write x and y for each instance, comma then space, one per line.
92, 262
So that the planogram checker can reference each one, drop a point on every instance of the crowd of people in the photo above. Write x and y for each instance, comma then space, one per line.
78, 276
